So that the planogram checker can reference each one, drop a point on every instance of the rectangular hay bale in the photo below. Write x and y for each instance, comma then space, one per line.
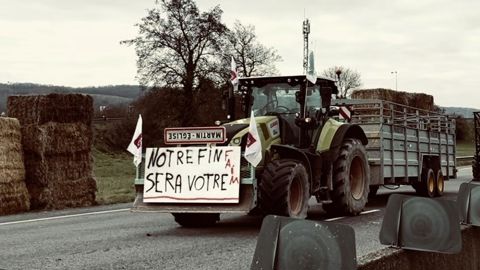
72, 193
416, 100
60, 108
59, 168
57, 138
60, 181
14, 196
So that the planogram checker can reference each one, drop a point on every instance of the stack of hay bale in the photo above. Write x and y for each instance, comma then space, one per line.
57, 140
416, 100
13, 192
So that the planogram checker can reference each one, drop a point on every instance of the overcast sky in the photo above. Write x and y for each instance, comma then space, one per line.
434, 45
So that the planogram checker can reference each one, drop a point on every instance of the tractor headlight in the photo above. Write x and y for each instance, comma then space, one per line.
236, 141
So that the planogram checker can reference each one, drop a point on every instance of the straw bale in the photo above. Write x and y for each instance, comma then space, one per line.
13, 192
9, 127
12, 168
59, 181
57, 138
61, 108
14, 198
43, 170
40, 196
72, 193
417, 100
12, 174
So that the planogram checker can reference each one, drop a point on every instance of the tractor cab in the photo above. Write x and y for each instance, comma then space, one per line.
299, 105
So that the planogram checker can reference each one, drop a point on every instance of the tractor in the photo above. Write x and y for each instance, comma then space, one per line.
305, 153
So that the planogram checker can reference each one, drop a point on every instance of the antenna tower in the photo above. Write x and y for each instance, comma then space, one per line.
306, 32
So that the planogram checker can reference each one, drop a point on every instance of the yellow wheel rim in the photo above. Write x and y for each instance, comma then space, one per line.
440, 183
431, 183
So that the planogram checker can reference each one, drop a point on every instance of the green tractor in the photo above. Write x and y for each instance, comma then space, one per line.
305, 153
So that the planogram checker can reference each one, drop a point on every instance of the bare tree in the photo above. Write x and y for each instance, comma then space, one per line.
252, 57
349, 79
176, 46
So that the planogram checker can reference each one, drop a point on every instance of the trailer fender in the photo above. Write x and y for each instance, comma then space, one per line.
429, 161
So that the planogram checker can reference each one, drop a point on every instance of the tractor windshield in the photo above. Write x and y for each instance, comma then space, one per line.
275, 98
313, 100
280, 98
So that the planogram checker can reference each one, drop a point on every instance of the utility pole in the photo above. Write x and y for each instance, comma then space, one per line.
306, 32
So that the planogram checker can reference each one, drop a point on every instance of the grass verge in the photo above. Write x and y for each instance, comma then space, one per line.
465, 148
115, 174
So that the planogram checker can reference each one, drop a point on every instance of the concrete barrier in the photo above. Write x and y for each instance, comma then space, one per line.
390, 258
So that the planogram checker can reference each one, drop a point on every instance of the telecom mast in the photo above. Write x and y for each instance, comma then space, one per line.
306, 31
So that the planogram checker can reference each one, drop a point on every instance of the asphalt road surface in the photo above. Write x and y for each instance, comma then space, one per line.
111, 237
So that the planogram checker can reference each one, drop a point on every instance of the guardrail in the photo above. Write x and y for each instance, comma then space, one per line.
464, 160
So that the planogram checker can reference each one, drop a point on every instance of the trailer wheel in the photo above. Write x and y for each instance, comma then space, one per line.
284, 189
196, 220
428, 186
440, 184
351, 179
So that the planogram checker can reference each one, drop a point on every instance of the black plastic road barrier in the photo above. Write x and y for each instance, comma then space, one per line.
424, 224
468, 200
288, 243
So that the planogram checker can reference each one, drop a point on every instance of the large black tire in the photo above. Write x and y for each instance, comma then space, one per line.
196, 220
351, 179
284, 189
428, 186
439, 183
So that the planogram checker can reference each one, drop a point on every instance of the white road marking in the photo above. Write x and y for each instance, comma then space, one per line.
333, 219
370, 211
63, 217
362, 213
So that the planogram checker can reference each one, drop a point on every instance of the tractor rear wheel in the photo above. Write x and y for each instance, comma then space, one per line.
284, 189
196, 220
351, 179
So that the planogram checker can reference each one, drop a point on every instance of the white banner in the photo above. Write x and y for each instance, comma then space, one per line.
192, 175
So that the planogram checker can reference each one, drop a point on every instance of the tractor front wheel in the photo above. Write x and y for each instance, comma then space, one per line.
351, 179
284, 189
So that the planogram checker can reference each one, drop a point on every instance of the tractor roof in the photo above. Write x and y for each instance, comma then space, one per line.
291, 80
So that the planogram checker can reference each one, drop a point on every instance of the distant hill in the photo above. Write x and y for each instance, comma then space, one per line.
465, 112
102, 95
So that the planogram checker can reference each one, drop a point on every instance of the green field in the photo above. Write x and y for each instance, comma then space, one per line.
114, 174
465, 148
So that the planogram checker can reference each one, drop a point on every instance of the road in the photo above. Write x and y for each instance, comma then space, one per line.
111, 237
